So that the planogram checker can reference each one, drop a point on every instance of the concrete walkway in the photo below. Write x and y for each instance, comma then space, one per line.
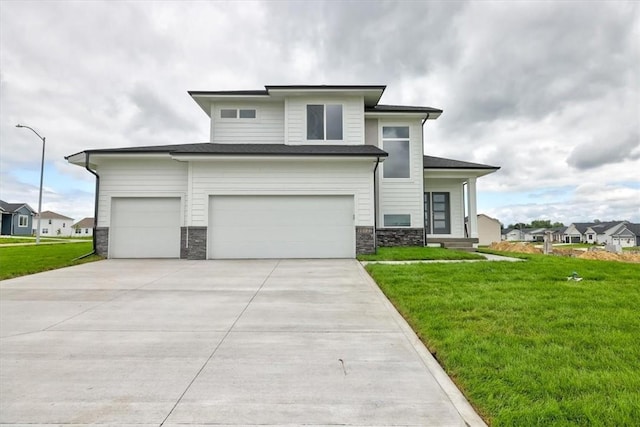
193, 343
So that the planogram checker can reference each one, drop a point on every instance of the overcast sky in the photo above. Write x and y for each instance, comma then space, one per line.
549, 91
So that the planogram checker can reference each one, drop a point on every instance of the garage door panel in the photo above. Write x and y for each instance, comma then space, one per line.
145, 228
281, 227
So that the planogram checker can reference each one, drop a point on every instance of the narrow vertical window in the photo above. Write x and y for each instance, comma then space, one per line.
315, 122
395, 141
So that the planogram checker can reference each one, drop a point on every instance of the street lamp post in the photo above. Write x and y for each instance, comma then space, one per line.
41, 178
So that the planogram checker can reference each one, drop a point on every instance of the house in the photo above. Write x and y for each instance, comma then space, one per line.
513, 234
17, 219
489, 230
288, 172
626, 236
83, 228
55, 224
592, 232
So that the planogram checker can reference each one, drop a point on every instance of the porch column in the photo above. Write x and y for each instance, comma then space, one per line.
472, 209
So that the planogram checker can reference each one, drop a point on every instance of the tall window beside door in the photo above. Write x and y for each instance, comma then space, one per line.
437, 213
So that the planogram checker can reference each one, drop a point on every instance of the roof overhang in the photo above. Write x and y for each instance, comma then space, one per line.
457, 173
371, 94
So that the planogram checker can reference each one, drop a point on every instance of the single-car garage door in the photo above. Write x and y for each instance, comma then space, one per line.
144, 227
281, 227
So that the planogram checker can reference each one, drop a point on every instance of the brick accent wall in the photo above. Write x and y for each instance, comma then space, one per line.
102, 241
197, 243
400, 236
364, 241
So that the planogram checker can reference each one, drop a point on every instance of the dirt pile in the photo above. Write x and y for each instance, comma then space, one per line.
520, 247
609, 256
598, 254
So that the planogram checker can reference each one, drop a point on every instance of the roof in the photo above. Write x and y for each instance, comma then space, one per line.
84, 223
13, 207
207, 148
52, 215
371, 93
430, 162
402, 109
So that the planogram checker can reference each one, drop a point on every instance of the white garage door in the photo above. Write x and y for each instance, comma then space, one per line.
145, 227
281, 227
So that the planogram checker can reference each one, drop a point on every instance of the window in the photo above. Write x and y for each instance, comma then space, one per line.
395, 140
49, 222
437, 213
64, 225
235, 113
45, 231
23, 221
86, 231
78, 231
324, 122
397, 220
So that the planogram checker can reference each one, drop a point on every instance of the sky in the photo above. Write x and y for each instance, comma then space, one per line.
548, 91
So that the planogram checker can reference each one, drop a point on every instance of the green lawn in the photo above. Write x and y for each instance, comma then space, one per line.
418, 253
21, 260
526, 346
4, 240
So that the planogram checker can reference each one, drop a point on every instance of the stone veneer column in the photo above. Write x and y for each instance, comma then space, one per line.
193, 242
364, 241
102, 241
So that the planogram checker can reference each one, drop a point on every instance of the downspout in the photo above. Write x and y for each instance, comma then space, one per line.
424, 232
95, 205
375, 206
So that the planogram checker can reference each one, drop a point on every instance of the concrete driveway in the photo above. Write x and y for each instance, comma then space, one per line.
176, 342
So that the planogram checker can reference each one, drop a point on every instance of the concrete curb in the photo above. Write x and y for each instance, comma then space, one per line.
462, 405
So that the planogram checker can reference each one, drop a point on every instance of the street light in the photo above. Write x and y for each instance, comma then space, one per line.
41, 177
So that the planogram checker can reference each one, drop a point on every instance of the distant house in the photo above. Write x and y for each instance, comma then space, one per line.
55, 224
599, 233
488, 229
84, 227
626, 236
512, 234
17, 219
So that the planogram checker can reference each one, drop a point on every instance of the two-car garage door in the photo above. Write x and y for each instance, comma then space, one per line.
281, 227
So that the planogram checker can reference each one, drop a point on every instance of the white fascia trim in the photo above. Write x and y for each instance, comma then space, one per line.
395, 115
457, 173
267, 158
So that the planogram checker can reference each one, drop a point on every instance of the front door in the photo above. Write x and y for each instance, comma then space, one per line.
437, 213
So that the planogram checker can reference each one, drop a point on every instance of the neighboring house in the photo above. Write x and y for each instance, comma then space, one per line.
54, 224
83, 228
489, 230
290, 171
513, 234
575, 232
17, 219
627, 236
592, 232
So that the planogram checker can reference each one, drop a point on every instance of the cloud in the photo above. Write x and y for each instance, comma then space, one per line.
548, 91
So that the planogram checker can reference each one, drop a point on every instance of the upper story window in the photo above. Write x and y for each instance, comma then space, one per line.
395, 141
238, 113
324, 122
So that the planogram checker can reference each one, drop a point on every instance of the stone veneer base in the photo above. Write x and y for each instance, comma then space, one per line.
193, 242
101, 234
365, 241
400, 236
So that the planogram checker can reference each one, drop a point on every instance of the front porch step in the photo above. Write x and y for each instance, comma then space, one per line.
460, 246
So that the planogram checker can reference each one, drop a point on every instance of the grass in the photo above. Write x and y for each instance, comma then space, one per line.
632, 249
5, 240
22, 260
526, 346
418, 253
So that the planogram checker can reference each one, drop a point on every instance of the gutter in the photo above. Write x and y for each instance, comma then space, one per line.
95, 206
424, 230
375, 206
